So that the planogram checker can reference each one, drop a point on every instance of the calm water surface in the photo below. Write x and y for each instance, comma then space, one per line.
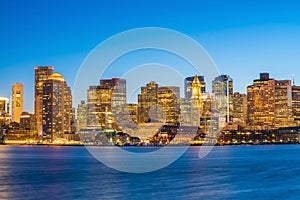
230, 172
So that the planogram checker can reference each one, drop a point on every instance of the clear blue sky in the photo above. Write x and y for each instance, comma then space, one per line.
244, 38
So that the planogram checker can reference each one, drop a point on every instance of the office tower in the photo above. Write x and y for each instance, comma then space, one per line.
261, 103
209, 118
168, 101
283, 104
239, 113
57, 108
222, 88
185, 111
81, 115
296, 104
147, 103
188, 86
41, 74
4, 105
17, 101
159, 104
270, 103
106, 103
196, 102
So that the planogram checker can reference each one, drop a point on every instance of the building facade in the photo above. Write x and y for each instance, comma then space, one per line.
270, 103
57, 108
17, 101
239, 113
81, 115
106, 103
222, 88
188, 86
168, 100
296, 104
41, 73
147, 103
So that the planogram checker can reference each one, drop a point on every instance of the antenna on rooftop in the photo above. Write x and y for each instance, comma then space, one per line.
293, 79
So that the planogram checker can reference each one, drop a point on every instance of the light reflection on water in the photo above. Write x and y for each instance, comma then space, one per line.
230, 172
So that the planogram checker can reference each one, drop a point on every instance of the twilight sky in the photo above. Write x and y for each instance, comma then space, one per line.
243, 38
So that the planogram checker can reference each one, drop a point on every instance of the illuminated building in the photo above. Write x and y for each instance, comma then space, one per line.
158, 104
147, 103
188, 86
106, 103
196, 102
185, 112
17, 101
239, 113
168, 100
5, 117
81, 115
269, 103
132, 110
28, 123
209, 118
261, 103
283, 104
296, 104
222, 88
4, 105
57, 108
41, 74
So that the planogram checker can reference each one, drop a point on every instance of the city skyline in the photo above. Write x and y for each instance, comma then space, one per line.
241, 46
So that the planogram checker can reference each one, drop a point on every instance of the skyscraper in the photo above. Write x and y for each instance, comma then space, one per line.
283, 104
147, 103
188, 85
41, 74
222, 88
239, 107
168, 99
269, 103
17, 101
57, 108
296, 104
81, 115
261, 103
106, 102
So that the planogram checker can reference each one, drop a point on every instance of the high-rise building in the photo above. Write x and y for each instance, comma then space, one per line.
57, 108
41, 74
168, 100
17, 101
4, 105
269, 103
159, 104
188, 86
222, 88
296, 104
147, 103
81, 115
239, 113
106, 103
283, 104
261, 103
196, 102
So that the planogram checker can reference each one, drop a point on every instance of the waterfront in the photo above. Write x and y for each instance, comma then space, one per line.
228, 172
